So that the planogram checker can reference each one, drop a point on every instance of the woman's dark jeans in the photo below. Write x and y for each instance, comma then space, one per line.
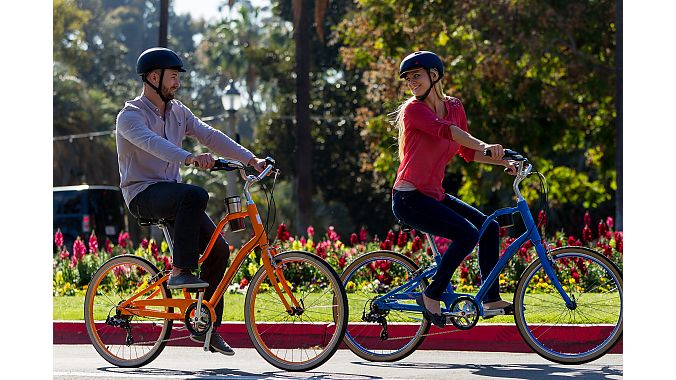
190, 228
456, 220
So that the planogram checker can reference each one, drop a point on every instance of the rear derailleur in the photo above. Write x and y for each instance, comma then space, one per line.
378, 316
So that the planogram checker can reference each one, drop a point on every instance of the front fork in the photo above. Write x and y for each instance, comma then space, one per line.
547, 264
276, 277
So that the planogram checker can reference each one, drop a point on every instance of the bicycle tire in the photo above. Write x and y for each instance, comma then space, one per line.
359, 336
111, 341
297, 342
598, 297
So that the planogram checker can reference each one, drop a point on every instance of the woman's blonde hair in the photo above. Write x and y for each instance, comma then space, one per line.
399, 114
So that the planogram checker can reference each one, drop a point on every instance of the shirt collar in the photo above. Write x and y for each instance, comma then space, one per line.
153, 107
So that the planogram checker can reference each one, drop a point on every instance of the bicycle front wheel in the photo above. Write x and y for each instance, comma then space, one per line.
581, 333
124, 340
309, 337
375, 334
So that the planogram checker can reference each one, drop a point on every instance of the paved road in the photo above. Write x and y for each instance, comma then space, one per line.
82, 362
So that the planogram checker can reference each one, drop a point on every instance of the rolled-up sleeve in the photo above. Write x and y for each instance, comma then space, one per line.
214, 139
131, 125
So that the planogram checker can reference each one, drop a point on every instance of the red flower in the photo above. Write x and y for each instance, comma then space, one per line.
587, 218
64, 254
153, 249
503, 232
79, 249
303, 241
464, 272
144, 243
354, 239
386, 245
542, 218
402, 239
429, 251
385, 278
609, 235
610, 222
559, 243
608, 251
417, 244
390, 235
73, 262
282, 233
342, 261
586, 233
166, 260
571, 240
321, 251
603, 228
310, 232
109, 246
58, 238
243, 283
362, 235
575, 275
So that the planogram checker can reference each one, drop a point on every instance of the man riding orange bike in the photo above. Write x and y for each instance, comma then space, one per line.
149, 132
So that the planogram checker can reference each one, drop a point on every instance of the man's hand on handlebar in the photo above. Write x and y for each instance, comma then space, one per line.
257, 163
204, 161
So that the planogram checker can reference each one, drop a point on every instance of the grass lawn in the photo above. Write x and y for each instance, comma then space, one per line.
72, 308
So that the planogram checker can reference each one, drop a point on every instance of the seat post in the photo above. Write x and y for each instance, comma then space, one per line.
167, 237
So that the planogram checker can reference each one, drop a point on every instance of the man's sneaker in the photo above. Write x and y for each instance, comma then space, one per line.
186, 280
215, 344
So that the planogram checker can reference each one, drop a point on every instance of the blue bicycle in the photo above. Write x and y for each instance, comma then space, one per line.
550, 305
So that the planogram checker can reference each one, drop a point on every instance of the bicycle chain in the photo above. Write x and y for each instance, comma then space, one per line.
425, 335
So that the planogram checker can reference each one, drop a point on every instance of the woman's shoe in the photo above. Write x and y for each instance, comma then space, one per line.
436, 319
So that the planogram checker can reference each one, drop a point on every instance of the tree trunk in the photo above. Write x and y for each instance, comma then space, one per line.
164, 23
301, 36
618, 112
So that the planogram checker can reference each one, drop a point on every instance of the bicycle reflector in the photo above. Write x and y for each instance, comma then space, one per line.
234, 204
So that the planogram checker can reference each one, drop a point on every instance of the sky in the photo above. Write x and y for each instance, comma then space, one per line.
206, 9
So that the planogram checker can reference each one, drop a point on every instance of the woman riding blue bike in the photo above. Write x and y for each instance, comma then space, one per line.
432, 130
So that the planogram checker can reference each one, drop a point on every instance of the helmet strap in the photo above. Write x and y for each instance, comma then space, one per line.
424, 96
158, 88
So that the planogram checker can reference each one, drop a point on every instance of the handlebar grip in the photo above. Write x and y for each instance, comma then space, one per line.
509, 155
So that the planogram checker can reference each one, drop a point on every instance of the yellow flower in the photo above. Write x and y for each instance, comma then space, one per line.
252, 268
350, 287
252, 255
164, 246
296, 245
264, 287
571, 281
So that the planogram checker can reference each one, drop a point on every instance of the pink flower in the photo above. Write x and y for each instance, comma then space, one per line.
144, 243
610, 222
303, 241
342, 261
166, 260
333, 235
321, 251
354, 239
310, 232
73, 262
93, 244
587, 218
122, 239
64, 254
79, 249
362, 235
58, 238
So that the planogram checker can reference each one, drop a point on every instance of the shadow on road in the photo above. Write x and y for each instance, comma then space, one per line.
229, 372
511, 371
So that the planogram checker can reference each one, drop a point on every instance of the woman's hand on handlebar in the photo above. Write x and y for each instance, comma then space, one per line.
495, 151
203, 161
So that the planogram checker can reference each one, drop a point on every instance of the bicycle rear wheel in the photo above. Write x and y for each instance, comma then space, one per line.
123, 340
307, 339
552, 329
367, 278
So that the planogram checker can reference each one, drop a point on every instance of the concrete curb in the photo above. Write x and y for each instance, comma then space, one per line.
484, 338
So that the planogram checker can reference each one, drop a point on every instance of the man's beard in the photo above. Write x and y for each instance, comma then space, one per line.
168, 94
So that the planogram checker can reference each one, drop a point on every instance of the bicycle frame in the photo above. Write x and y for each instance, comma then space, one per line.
403, 292
137, 305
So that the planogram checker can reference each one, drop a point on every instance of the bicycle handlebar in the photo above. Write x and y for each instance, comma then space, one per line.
509, 155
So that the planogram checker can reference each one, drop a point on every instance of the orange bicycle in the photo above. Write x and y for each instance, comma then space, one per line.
295, 308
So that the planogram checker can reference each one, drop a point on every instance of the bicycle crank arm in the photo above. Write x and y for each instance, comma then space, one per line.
493, 313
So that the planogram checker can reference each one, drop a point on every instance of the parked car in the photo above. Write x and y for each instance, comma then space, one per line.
79, 210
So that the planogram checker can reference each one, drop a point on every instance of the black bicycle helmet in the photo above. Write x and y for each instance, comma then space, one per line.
158, 58
422, 60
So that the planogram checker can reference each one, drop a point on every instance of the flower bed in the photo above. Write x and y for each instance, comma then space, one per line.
73, 271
